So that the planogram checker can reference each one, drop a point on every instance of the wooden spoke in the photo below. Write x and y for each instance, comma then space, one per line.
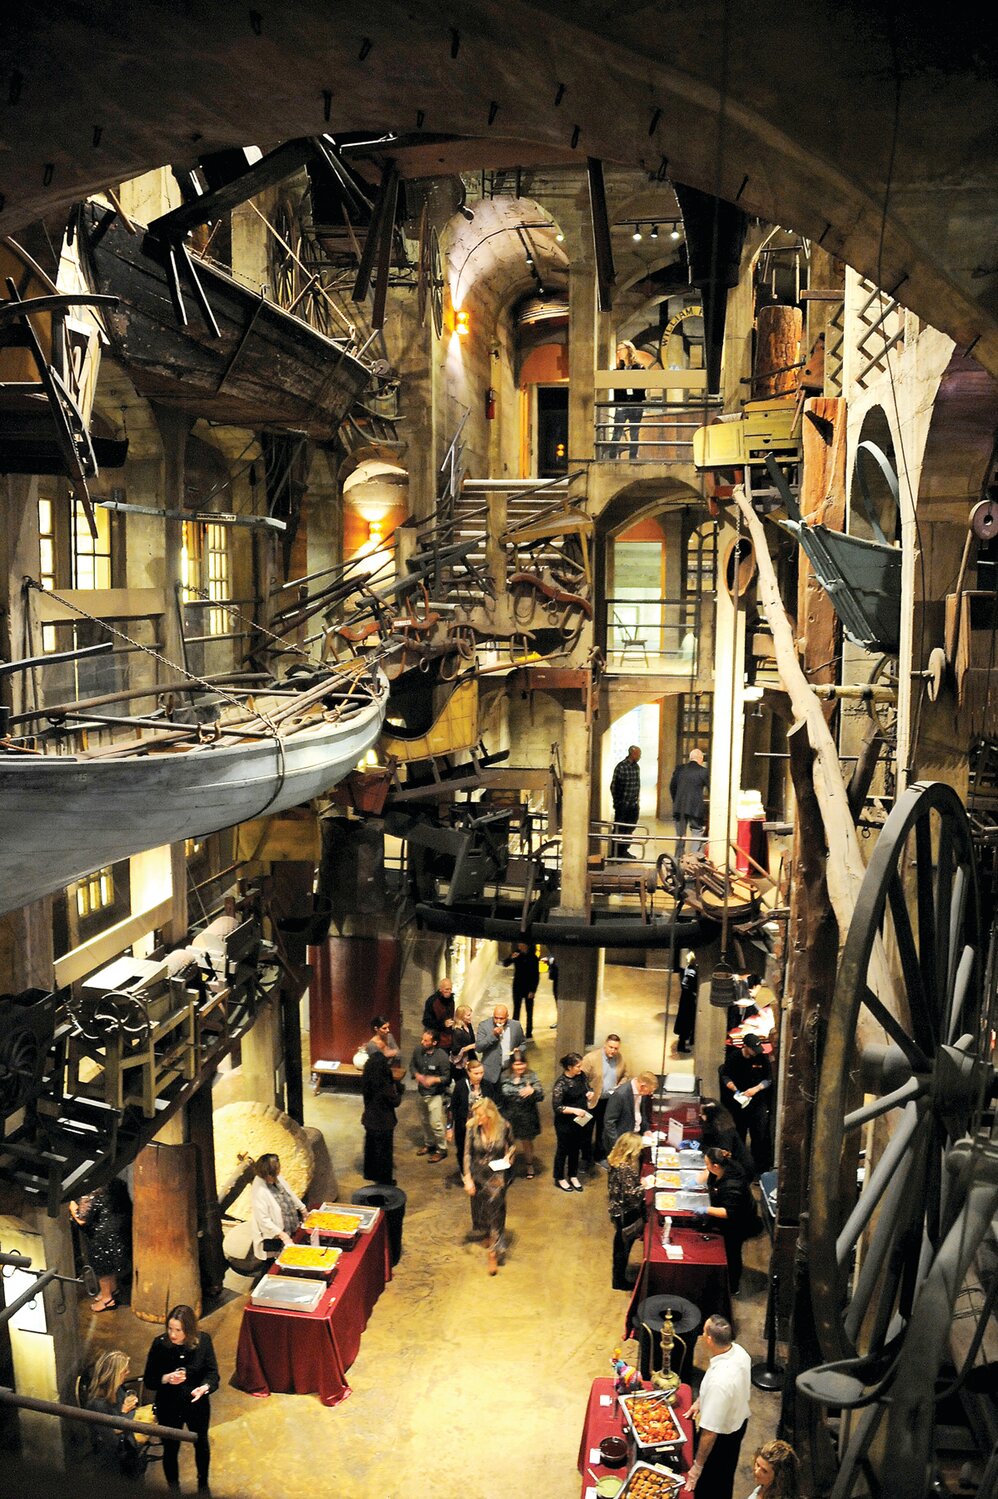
914, 1088
960, 994
919, 998
919, 1061
878, 1182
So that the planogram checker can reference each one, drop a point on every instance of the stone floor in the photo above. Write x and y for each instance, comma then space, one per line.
463, 1384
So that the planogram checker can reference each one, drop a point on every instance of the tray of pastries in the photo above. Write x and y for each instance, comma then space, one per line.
652, 1420
307, 1259
647, 1482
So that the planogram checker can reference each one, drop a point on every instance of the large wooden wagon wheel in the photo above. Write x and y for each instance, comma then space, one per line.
906, 1074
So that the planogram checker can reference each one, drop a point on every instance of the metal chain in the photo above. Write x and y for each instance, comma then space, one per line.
148, 650
202, 593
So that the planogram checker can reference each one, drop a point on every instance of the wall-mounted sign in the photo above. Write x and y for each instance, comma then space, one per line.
31, 1317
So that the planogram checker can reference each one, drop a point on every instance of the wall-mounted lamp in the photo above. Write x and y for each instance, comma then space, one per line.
375, 531
674, 233
462, 323
560, 236
637, 233
530, 258
654, 232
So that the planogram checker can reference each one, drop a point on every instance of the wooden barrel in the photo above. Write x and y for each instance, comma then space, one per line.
164, 1233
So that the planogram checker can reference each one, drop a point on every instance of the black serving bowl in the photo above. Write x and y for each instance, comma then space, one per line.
613, 1452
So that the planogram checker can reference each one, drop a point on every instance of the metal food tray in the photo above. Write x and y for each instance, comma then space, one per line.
660, 1485
288, 1293
366, 1217
658, 1398
327, 1270
343, 1238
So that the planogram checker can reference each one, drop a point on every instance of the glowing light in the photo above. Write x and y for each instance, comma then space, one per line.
674, 234
637, 233
462, 325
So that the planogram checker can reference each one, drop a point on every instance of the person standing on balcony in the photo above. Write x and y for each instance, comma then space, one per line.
687, 787
625, 793
628, 401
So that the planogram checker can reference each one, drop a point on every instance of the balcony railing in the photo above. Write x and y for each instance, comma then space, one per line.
658, 424
653, 635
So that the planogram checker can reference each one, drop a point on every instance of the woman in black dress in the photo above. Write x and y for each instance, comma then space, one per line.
97, 1215
488, 1144
382, 1097
732, 1209
686, 1012
182, 1373
625, 1202
569, 1097
462, 1042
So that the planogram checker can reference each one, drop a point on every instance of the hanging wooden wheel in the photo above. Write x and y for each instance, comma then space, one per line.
429, 279
899, 1087
285, 273
739, 566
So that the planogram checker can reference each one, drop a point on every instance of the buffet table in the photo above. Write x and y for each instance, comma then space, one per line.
305, 1353
604, 1418
701, 1276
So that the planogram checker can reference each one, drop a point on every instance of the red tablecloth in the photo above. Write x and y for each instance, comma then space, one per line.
305, 1353
608, 1421
701, 1275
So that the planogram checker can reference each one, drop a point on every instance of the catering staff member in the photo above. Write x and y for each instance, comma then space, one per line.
747, 1083
722, 1411
182, 1373
277, 1212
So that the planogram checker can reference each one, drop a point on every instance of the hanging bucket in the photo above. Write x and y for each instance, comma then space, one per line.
723, 989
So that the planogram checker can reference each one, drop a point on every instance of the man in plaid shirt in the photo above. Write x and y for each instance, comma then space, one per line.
625, 792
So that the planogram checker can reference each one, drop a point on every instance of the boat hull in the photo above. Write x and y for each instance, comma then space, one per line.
63, 818
267, 369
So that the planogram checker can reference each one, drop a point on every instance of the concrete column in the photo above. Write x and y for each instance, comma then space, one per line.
261, 1054
424, 968
578, 969
581, 360
729, 672
45, 1363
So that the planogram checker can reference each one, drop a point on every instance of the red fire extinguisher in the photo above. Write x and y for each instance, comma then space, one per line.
490, 404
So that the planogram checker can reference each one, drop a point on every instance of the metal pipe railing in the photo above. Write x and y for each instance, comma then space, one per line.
93, 1418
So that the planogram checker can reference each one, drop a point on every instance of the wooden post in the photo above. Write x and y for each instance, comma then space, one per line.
777, 351
164, 1240
202, 1134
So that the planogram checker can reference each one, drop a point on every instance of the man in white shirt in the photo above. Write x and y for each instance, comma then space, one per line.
722, 1409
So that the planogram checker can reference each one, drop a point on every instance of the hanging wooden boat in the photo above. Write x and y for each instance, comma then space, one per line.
194, 338
65, 815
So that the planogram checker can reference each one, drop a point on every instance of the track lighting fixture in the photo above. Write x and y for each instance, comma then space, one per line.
637, 233
674, 234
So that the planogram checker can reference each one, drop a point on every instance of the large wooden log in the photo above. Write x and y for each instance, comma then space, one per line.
777, 351
164, 1233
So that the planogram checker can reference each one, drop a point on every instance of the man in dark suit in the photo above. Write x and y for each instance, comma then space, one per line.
629, 1109
468, 1089
496, 1038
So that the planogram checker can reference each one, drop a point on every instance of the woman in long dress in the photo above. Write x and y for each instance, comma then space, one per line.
625, 1202
489, 1142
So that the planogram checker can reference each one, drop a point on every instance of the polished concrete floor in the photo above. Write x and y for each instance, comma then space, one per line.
463, 1384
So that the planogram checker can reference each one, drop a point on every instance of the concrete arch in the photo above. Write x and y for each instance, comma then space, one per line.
98, 94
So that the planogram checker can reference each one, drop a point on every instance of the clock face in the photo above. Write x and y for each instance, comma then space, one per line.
430, 283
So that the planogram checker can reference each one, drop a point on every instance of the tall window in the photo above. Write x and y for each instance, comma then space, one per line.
205, 569
695, 724
701, 560
95, 893
91, 554
46, 562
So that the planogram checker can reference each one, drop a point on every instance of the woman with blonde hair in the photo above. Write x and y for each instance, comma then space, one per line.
462, 1041
116, 1451
488, 1157
625, 1202
775, 1468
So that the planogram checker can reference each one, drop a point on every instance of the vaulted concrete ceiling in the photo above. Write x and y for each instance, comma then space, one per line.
866, 124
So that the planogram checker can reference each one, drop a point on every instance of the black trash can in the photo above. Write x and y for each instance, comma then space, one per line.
392, 1200
686, 1322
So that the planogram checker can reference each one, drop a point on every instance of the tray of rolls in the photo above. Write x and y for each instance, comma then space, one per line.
647, 1482
307, 1259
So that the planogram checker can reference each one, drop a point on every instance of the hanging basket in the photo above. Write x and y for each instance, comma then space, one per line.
723, 989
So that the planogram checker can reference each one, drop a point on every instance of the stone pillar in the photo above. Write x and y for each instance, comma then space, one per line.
578, 968
424, 968
729, 673
581, 360
47, 1360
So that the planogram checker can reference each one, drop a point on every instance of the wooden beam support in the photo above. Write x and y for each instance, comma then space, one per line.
602, 245
271, 169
